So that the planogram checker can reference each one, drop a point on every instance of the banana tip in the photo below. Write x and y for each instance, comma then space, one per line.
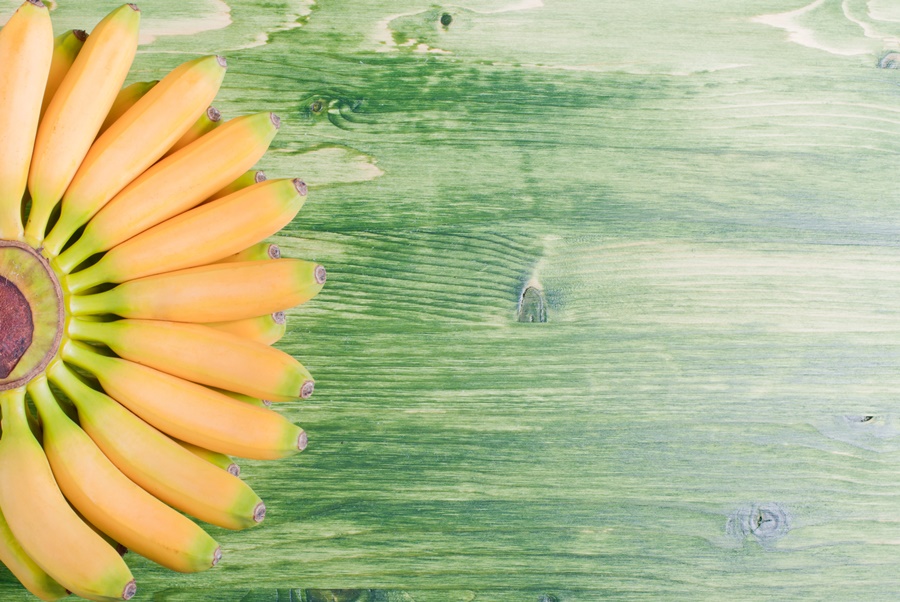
300, 185
307, 389
221, 60
276, 120
234, 469
80, 34
279, 317
274, 252
122, 550
130, 590
260, 176
259, 513
302, 441
135, 8
217, 556
321, 274
213, 114
37, 3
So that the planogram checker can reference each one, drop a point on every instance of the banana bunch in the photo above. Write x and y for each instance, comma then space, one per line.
139, 303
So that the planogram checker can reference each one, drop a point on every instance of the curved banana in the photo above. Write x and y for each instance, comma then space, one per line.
156, 462
66, 47
26, 51
267, 329
191, 412
206, 123
34, 578
248, 178
111, 501
200, 236
216, 459
47, 528
202, 355
125, 99
212, 293
175, 184
76, 111
135, 141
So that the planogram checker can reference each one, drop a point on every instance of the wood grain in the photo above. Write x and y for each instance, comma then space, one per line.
702, 195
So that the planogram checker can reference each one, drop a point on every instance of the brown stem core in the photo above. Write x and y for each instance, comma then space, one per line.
16, 326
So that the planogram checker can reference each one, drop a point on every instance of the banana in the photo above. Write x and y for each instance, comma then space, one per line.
267, 329
34, 578
47, 528
135, 141
216, 459
66, 47
200, 236
206, 123
125, 99
175, 184
26, 52
156, 462
248, 178
191, 412
202, 355
261, 250
211, 293
76, 112
111, 501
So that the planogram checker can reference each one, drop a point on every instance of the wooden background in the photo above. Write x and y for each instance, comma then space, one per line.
613, 294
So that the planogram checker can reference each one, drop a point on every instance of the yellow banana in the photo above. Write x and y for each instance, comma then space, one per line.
212, 293
26, 51
156, 462
111, 501
267, 329
248, 178
47, 528
135, 141
261, 250
206, 123
175, 184
202, 355
125, 99
216, 459
191, 412
76, 112
34, 578
200, 236
66, 47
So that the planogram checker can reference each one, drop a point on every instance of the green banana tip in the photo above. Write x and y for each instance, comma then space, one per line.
278, 317
37, 3
275, 119
320, 274
81, 34
302, 441
259, 513
300, 185
135, 8
130, 590
234, 470
222, 62
217, 556
213, 114
307, 390
274, 252
260, 176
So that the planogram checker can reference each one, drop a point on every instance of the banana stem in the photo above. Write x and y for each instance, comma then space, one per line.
12, 406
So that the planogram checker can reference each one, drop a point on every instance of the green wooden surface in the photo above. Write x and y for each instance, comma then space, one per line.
700, 198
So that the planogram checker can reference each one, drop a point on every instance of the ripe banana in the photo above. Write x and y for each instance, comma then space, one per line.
206, 123
66, 47
248, 178
175, 184
216, 459
135, 141
111, 501
34, 578
200, 236
191, 412
261, 250
26, 51
202, 355
77, 110
47, 528
125, 99
156, 462
211, 293
267, 329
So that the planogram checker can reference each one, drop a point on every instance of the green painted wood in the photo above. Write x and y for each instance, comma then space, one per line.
701, 201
